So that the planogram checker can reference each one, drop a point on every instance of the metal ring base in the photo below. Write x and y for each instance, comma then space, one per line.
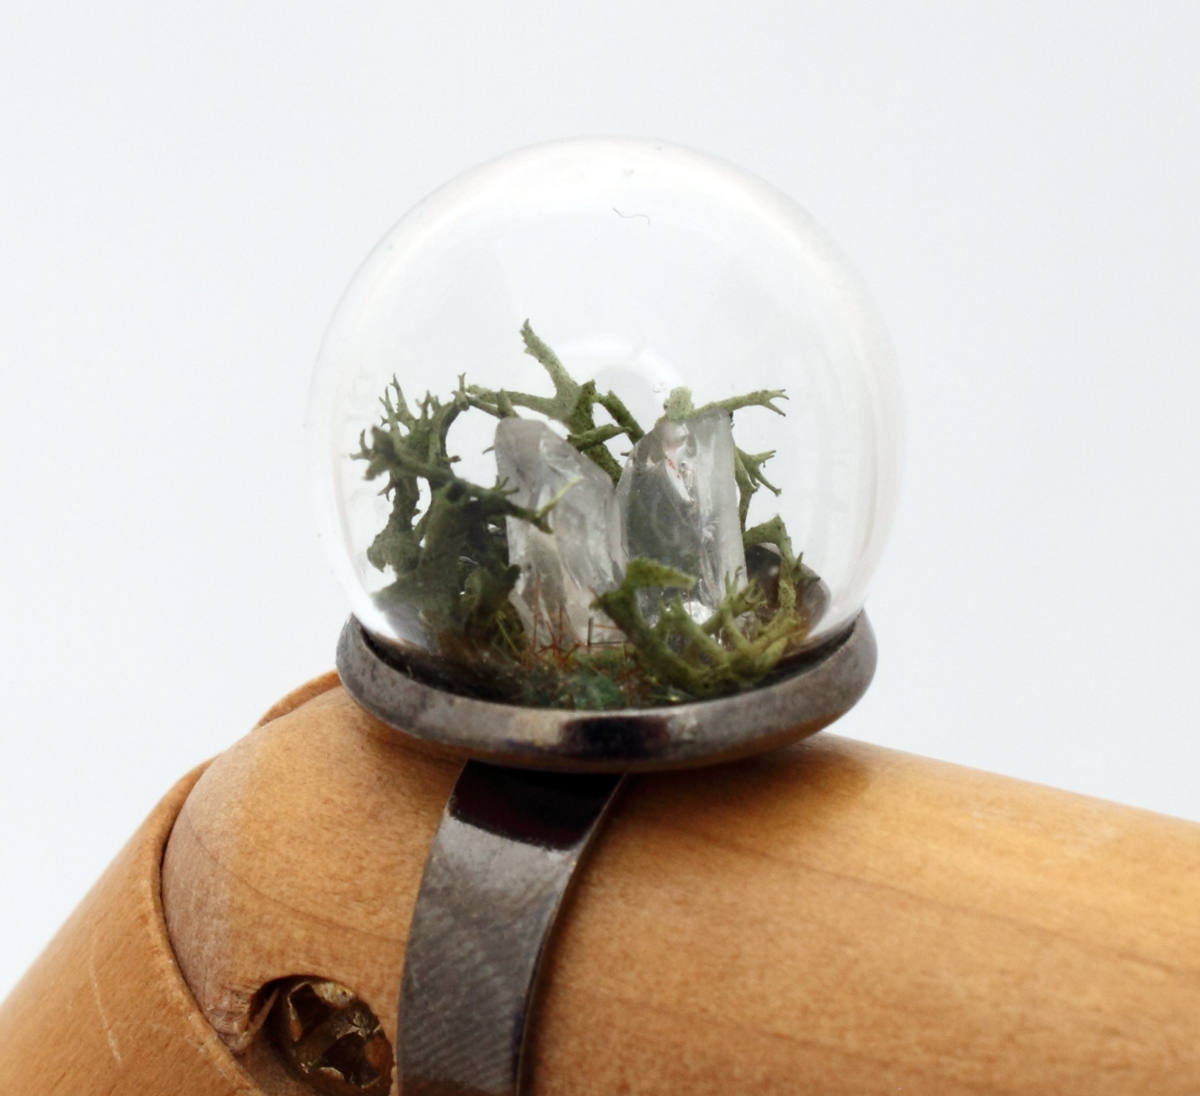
811, 696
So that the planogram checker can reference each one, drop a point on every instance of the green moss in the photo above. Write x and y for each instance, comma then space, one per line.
452, 578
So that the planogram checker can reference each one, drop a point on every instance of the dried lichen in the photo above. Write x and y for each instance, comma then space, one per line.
445, 545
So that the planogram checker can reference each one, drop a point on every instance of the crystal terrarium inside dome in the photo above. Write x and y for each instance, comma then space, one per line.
603, 424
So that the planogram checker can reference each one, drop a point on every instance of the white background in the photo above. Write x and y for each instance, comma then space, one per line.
188, 188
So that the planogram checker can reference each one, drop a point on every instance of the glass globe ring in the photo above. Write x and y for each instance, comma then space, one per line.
606, 435
609, 546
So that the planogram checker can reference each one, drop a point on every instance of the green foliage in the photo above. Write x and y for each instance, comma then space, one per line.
451, 561
573, 405
445, 545
747, 467
736, 647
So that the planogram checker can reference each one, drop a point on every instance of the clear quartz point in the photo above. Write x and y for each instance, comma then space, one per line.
677, 503
561, 572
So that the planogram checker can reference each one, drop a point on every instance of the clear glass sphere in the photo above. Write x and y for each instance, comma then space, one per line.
605, 423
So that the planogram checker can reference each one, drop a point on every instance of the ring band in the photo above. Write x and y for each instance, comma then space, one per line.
501, 862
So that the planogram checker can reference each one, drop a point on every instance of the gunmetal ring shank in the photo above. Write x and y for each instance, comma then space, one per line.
526, 805
501, 862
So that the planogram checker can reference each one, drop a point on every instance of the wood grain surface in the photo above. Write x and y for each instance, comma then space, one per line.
834, 918
104, 1010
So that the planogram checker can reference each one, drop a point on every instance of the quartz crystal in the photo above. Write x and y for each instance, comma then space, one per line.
677, 503
563, 571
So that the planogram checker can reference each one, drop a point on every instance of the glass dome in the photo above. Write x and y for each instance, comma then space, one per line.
605, 423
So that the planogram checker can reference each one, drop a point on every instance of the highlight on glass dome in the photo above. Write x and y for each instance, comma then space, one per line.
603, 424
